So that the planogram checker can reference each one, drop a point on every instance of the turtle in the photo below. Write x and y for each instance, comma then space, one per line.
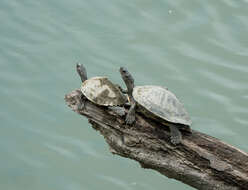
101, 91
158, 103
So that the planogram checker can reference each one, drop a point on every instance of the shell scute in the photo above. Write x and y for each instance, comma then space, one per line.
102, 91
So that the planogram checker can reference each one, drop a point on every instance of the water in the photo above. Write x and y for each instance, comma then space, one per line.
198, 49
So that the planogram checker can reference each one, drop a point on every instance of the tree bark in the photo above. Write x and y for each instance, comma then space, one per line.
200, 161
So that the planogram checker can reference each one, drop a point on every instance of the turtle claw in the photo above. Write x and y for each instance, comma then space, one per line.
175, 140
176, 136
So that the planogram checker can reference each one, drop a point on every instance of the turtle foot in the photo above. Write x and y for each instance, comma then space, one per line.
176, 139
176, 136
81, 103
118, 110
130, 118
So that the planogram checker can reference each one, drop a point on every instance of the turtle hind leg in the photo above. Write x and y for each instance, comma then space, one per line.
186, 128
118, 110
176, 136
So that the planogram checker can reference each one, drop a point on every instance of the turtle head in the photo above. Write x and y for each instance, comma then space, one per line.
128, 79
81, 72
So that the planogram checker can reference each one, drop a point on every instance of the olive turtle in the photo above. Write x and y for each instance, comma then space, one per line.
101, 91
158, 103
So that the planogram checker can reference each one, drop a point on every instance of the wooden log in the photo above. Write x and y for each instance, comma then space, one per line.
200, 161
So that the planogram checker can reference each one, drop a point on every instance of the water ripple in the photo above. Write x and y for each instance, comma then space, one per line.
64, 152
224, 81
198, 49
189, 50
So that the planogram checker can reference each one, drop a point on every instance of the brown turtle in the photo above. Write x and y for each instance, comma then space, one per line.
101, 91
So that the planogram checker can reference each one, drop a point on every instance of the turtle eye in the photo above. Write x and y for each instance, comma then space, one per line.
123, 70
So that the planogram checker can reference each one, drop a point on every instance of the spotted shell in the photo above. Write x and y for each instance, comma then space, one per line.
102, 91
161, 102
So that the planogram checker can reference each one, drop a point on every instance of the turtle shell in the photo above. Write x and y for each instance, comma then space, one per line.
162, 103
102, 91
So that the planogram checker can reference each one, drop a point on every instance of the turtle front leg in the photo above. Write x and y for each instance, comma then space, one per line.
130, 118
121, 89
176, 136
81, 103
118, 110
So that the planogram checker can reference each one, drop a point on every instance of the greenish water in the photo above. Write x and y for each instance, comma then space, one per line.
199, 49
